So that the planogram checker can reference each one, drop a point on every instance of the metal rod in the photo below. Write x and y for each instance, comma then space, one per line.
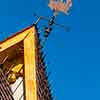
5, 59
21, 96
18, 86
38, 20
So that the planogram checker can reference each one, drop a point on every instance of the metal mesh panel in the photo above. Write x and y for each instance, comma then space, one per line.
18, 89
43, 89
5, 90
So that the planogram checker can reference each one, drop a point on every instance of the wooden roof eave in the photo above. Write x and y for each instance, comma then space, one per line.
16, 38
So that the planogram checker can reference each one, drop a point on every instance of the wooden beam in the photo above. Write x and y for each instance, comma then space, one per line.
14, 40
30, 66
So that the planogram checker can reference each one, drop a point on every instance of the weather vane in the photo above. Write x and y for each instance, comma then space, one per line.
56, 6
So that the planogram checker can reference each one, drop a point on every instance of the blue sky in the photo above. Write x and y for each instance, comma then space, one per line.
73, 57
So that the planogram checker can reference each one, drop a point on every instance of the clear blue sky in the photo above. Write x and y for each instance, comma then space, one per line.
74, 57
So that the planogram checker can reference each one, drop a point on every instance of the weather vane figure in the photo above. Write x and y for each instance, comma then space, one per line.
60, 6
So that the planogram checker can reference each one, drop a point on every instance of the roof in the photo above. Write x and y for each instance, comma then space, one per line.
17, 33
